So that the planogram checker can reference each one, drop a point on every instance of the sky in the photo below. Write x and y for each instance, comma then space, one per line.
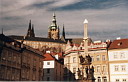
108, 19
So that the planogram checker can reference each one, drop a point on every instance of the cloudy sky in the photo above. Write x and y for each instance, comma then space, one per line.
108, 19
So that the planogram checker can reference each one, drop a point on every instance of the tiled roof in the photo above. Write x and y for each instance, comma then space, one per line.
48, 57
36, 39
59, 54
119, 44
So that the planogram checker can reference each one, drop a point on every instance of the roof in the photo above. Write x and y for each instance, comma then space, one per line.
77, 40
9, 42
59, 54
48, 57
119, 44
5, 38
36, 39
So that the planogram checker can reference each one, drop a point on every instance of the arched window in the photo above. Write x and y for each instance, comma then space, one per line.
99, 79
74, 59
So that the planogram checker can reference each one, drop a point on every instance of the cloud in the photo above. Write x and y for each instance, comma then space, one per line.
91, 4
107, 18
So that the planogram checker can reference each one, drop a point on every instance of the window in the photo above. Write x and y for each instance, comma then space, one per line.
27, 74
115, 56
92, 58
40, 64
13, 72
80, 48
19, 59
3, 56
74, 59
14, 58
34, 62
123, 68
34, 76
97, 57
48, 70
24, 60
48, 78
99, 79
9, 56
68, 59
103, 57
117, 80
124, 80
104, 79
74, 70
104, 69
98, 68
116, 68
122, 55
48, 63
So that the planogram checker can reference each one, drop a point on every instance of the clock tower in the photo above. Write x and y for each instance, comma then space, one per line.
53, 30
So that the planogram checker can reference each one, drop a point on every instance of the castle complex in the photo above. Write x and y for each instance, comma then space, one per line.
52, 43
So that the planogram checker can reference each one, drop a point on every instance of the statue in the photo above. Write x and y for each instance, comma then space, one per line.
86, 60
79, 73
81, 59
86, 70
91, 73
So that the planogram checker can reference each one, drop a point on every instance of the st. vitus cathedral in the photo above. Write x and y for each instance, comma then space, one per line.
52, 43
53, 30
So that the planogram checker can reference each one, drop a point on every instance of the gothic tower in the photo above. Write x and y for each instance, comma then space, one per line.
53, 31
30, 32
63, 34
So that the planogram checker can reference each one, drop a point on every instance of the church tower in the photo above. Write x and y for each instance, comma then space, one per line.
30, 32
53, 31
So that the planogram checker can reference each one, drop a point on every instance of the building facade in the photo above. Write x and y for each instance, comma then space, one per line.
99, 54
118, 60
19, 62
53, 68
98, 51
42, 44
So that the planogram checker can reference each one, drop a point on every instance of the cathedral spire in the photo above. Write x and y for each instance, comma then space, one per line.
63, 32
32, 31
53, 25
29, 30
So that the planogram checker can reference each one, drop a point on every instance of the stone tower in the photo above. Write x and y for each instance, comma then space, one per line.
85, 37
53, 31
